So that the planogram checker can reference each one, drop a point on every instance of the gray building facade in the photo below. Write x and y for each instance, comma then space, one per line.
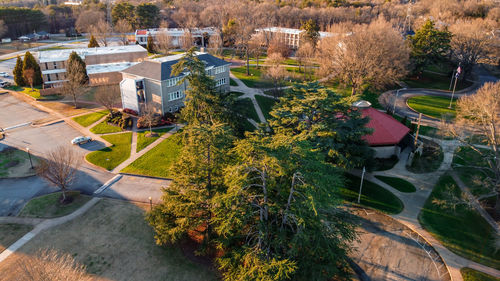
151, 82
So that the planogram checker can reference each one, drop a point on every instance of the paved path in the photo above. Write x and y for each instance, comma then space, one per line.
415, 201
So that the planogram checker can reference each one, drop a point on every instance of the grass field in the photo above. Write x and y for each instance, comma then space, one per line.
472, 177
48, 206
36, 94
398, 183
430, 160
11, 232
469, 274
372, 195
88, 119
429, 80
246, 108
110, 157
158, 160
254, 80
266, 105
114, 242
232, 82
436, 107
463, 231
15, 163
143, 141
105, 128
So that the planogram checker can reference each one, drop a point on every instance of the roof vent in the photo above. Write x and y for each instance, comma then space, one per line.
362, 104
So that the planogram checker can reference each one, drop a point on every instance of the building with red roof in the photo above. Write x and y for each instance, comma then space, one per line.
388, 133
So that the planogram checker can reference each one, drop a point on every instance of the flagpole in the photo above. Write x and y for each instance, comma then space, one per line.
453, 93
451, 81
361, 184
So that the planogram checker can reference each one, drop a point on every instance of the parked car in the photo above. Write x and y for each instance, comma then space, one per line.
81, 140
4, 74
4, 84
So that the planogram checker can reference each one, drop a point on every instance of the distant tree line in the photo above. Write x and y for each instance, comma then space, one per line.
21, 21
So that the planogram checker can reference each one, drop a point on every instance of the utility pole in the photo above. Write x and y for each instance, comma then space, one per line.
418, 129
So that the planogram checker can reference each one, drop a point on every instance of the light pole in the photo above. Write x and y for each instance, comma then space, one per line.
29, 155
396, 99
150, 204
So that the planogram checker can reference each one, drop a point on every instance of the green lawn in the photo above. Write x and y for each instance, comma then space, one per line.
372, 195
88, 119
105, 128
398, 183
383, 164
48, 206
463, 231
433, 106
429, 161
472, 177
266, 105
434, 81
469, 274
246, 108
232, 82
254, 80
143, 141
158, 160
110, 157
36, 94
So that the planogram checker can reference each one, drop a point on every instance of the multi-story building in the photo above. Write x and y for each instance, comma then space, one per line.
103, 64
291, 36
199, 35
152, 82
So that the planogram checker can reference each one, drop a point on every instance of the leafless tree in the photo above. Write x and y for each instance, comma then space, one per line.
478, 115
59, 168
149, 116
375, 54
255, 46
305, 54
108, 96
164, 42
123, 27
87, 19
29, 76
215, 44
76, 82
3, 28
187, 40
276, 72
49, 265
102, 31
277, 44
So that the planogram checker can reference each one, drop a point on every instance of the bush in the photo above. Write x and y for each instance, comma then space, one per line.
130, 111
158, 121
120, 119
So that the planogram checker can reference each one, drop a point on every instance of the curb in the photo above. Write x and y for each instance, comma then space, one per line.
18, 126
144, 176
108, 184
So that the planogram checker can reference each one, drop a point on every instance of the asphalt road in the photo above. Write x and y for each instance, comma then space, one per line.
14, 193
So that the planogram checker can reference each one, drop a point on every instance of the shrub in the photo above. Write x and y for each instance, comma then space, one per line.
130, 111
158, 121
120, 119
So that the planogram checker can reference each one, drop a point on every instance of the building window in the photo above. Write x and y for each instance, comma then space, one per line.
55, 65
46, 66
173, 81
221, 82
57, 76
48, 77
175, 95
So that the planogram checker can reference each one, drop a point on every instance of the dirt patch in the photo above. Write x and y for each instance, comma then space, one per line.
67, 109
387, 250
114, 242
11, 232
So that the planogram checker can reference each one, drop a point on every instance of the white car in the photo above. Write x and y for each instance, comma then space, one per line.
4, 74
81, 140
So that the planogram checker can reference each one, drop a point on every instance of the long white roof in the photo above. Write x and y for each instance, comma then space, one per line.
290, 31
63, 54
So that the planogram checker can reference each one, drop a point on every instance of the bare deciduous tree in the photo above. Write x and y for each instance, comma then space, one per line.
3, 28
255, 46
148, 116
108, 96
49, 265
164, 42
29, 76
276, 72
215, 44
123, 27
375, 54
306, 54
187, 40
59, 168
102, 31
87, 19
75, 84
478, 115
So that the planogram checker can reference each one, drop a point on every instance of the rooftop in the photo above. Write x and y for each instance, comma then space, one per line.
63, 54
109, 67
176, 32
290, 31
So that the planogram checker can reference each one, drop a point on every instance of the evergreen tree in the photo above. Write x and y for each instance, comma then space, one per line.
280, 218
429, 45
197, 177
93, 42
312, 112
30, 63
150, 45
18, 72
311, 31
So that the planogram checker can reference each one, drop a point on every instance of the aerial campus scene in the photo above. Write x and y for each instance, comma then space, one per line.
250, 140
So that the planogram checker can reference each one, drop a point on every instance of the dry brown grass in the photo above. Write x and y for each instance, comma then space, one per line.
67, 109
11, 232
114, 242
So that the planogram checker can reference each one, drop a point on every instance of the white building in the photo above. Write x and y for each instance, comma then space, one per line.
198, 34
291, 36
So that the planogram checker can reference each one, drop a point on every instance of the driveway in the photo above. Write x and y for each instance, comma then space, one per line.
137, 188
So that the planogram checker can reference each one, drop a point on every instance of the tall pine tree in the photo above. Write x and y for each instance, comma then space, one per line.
150, 45
30, 63
18, 73
93, 42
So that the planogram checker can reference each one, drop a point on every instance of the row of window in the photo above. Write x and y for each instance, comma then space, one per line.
173, 81
220, 69
55, 65
49, 78
176, 95
221, 82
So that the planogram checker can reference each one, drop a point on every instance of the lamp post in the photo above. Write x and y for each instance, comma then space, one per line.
150, 204
29, 155
396, 99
